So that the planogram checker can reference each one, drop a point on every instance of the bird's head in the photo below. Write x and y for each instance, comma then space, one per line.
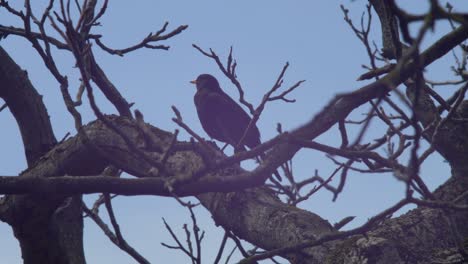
207, 82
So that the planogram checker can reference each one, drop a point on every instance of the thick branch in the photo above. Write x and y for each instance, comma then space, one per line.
390, 36
27, 107
106, 146
239, 211
423, 235
51, 224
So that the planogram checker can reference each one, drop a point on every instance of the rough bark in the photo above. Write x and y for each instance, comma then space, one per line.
259, 217
255, 215
243, 206
392, 48
423, 235
49, 225
27, 107
42, 228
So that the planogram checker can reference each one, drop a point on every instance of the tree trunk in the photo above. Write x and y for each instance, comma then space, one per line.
49, 228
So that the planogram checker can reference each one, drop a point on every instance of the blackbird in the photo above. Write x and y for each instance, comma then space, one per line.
220, 116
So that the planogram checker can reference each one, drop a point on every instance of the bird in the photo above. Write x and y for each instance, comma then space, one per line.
221, 117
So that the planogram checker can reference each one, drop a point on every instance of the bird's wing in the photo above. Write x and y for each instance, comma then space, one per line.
231, 119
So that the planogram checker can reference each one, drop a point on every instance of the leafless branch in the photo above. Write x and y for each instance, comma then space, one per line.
230, 72
145, 43
119, 242
221, 248
3, 107
194, 256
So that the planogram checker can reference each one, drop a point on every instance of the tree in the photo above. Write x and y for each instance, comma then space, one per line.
44, 207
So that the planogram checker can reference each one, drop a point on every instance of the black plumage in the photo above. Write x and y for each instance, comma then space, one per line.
220, 116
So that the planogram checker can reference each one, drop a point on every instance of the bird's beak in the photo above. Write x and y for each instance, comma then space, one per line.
193, 82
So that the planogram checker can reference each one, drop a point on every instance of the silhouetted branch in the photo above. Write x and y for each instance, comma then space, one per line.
230, 72
221, 248
189, 251
375, 220
3, 107
145, 43
266, 98
118, 241
179, 244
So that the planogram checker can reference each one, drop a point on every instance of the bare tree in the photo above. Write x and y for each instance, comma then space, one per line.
43, 204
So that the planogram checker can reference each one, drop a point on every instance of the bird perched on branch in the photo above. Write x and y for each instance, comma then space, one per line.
221, 117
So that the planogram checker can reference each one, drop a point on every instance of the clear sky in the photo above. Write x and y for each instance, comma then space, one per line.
310, 35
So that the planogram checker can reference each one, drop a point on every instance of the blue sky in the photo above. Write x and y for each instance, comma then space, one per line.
310, 35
